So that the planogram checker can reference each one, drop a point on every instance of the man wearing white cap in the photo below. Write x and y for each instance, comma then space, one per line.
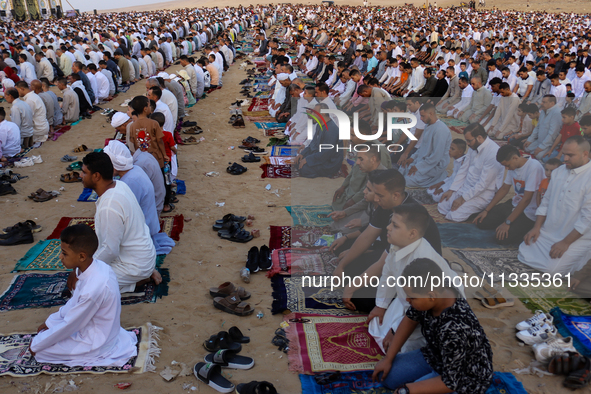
171, 84
141, 186
280, 93
121, 122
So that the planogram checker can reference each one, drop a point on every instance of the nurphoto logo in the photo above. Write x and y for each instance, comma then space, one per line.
344, 125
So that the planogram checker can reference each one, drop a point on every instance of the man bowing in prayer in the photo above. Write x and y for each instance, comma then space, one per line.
124, 237
142, 188
428, 165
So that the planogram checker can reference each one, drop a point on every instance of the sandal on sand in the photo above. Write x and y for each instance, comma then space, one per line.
71, 177
580, 377
239, 122
191, 141
228, 359
44, 196
566, 363
211, 375
232, 304
486, 291
251, 140
193, 130
236, 169
232, 119
35, 228
497, 301
237, 336
67, 158
255, 387
250, 158
228, 288
241, 236
227, 226
81, 148
221, 340
230, 217
74, 166
255, 150
172, 207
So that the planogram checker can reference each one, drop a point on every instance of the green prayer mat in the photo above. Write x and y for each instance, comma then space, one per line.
310, 215
45, 256
452, 122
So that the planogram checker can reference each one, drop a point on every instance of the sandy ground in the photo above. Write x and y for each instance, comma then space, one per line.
201, 260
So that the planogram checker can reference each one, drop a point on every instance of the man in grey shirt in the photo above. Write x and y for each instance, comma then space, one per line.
22, 115
150, 165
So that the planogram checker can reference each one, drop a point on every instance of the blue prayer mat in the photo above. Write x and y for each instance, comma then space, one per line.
578, 327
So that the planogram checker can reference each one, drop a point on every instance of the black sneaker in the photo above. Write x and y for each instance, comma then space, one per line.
265, 262
6, 188
252, 261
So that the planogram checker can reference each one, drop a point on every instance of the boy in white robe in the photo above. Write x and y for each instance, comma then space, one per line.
457, 151
87, 330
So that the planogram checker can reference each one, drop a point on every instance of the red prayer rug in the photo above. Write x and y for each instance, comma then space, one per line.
283, 236
258, 105
171, 225
330, 343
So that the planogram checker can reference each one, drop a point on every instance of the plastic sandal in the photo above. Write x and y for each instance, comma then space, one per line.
228, 359
67, 158
237, 336
497, 301
221, 341
230, 217
228, 288
211, 375
255, 387
236, 169
579, 378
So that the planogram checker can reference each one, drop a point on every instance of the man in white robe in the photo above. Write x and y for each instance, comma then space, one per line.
124, 237
560, 241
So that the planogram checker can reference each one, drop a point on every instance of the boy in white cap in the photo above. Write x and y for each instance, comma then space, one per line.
121, 122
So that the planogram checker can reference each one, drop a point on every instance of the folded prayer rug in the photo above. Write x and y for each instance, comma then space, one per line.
578, 327
16, 359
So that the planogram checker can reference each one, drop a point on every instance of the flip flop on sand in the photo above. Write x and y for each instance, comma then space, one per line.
255, 387
211, 375
485, 291
237, 336
497, 301
221, 340
228, 288
228, 359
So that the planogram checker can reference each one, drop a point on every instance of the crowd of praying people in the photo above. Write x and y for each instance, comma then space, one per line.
518, 83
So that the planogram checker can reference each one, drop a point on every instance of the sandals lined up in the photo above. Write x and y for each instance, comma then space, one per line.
577, 369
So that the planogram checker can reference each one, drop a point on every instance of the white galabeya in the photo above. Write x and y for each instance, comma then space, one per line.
537, 334
539, 319
553, 347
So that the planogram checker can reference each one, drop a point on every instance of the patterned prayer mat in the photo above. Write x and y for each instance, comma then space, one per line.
16, 359
278, 171
420, 195
307, 236
59, 132
578, 327
262, 95
270, 126
468, 236
290, 294
285, 150
258, 105
294, 261
45, 256
171, 225
348, 383
260, 118
46, 291
534, 297
453, 122
331, 343
310, 215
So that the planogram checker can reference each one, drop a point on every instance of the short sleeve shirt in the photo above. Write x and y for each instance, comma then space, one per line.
147, 133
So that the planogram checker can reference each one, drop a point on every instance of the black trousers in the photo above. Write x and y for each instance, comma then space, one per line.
498, 215
518, 142
167, 187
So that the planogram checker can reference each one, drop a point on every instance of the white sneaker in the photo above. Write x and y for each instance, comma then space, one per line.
37, 159
539, 319
24, 162
537, 334
554, 347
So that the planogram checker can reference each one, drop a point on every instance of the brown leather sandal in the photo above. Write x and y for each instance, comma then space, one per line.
228, 288
71, 177
232, 304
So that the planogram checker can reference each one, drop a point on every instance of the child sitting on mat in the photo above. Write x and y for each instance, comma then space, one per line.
87, 330
457, 357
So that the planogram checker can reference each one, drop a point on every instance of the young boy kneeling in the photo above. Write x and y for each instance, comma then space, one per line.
457, 357
87, 330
